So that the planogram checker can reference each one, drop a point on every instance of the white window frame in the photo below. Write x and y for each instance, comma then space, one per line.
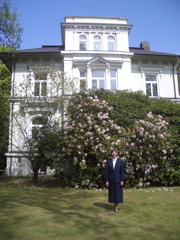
83, 79
41, 82
82, 39
99, 78
97, 41
112, 78
151, 83
151, 71
111, 41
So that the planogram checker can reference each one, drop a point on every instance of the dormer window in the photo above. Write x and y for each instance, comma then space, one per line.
111, 43
97, 43
82, 43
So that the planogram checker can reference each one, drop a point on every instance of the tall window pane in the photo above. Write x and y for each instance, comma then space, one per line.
97, 43
111, 43
113, 79
155, 93
83, 80
101, 84
148, 89
94, 84
82, 43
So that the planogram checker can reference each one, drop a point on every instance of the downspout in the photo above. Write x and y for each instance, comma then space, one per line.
174, 63
173, 72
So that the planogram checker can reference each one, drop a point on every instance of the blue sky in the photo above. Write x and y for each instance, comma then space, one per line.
156, 21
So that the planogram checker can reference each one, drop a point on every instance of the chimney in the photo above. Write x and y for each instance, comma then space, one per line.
145, 45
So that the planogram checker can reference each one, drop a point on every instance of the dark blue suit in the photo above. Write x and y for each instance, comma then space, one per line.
114, 177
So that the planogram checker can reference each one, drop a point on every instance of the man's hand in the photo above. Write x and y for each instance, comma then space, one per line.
121, 184
107, 184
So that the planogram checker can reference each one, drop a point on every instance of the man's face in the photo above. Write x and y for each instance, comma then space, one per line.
114, 154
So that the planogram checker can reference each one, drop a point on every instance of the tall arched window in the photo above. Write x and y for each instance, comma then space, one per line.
97, 43
82, 43
111, 43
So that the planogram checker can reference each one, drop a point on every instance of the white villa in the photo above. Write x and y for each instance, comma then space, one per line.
96, 51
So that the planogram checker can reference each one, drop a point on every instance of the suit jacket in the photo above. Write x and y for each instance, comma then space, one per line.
115, 175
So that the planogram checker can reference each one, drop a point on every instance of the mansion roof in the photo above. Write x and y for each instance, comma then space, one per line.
7, 57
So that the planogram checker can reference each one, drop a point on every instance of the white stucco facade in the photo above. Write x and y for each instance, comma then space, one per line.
96, 51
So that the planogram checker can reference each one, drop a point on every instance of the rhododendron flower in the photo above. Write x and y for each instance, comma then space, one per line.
164, 151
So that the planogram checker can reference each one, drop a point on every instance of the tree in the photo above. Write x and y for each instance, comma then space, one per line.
4, 110
10, 30
48, 109
5, 78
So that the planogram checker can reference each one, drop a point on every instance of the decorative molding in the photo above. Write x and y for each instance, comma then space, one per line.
87, 26
151, 69
71, 53
40, 67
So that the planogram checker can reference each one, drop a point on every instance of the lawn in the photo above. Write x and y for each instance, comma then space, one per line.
39, 213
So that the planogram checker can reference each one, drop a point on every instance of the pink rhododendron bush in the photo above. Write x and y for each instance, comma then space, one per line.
89, 135
148, 151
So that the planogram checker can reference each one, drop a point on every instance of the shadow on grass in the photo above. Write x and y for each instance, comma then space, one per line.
103, 205
49, 213
30, 207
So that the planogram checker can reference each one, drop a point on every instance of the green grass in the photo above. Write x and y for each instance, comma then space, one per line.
37, 213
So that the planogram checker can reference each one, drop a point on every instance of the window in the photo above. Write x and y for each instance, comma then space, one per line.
37, 124
82, 43
98, 79
151, 85
111, 43
83, 79
113, 79
40, 86
97, 43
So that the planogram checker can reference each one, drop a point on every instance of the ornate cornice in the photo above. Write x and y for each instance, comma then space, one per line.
99, 27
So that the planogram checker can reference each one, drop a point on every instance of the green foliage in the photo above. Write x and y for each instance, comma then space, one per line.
4, 111
49, 106
89, 135
10, 30
150, 154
